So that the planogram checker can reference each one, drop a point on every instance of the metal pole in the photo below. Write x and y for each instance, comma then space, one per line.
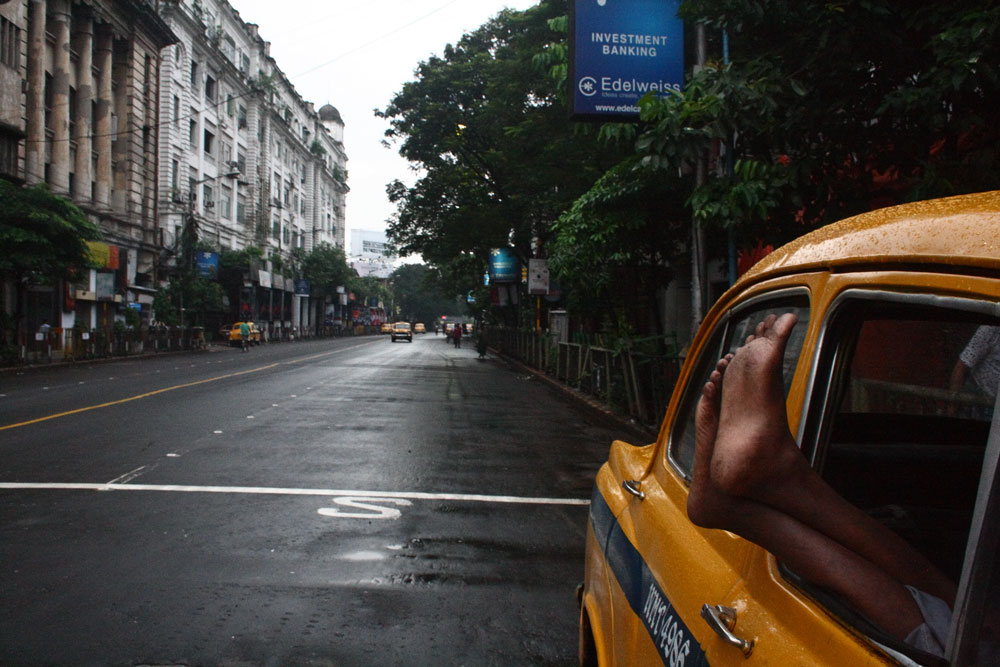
697, 244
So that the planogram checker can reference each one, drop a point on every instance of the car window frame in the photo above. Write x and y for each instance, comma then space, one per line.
710, 353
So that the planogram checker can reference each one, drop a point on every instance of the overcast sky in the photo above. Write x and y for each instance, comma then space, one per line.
355, 55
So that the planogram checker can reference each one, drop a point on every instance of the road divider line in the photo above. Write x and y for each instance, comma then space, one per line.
134, 398
278, 491
179, 386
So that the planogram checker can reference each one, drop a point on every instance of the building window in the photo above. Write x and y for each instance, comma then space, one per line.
241, 208
209, 196
177, 110
8, 153
229, 47
10, 43
276, 228
210, 88
209, 145
244, 63
193, 133
241, 116
194, 75
226, 202
175, 168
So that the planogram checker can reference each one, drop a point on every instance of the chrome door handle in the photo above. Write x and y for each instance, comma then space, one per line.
722, 620
632, 486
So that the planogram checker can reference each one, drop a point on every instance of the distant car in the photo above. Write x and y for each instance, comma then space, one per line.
231, 332
889, 305
419, 328
387, 328
402, 330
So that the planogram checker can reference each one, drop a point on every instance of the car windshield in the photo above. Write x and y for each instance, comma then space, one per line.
402, 325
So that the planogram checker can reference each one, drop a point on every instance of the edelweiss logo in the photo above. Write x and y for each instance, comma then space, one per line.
601, 3
588, 86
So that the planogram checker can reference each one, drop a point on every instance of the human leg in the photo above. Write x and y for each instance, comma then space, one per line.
756, 457
818, 558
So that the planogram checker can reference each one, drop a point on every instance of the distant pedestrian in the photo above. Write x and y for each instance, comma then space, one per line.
245, 335
458, 335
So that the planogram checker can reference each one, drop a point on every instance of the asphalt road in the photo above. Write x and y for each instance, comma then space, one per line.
333, 502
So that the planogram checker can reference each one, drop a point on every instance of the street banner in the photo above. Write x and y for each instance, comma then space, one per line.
302, 287
504, 266
208, 264
620, 50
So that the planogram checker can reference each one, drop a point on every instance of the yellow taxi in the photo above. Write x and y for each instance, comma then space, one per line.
402, 330
386, 328
231, 333
890, 378
419, 328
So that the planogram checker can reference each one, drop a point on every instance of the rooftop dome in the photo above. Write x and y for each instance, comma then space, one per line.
329, 112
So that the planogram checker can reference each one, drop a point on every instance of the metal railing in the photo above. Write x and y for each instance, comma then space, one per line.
628, 376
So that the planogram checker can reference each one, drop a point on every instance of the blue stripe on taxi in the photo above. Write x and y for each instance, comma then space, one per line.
673, 639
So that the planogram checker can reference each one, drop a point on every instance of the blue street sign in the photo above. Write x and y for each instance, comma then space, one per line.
621, 50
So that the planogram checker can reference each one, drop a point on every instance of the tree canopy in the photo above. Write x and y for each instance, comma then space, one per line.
813, 111
46, 235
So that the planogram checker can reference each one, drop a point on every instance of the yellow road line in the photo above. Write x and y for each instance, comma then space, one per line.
166, 389
133, 398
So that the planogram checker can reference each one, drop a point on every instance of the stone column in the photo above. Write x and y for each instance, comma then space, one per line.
35, 128
102, 117
84, 39
59, 113
121, 143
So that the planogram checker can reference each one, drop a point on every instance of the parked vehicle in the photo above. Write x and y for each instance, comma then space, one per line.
231, 332
886, 305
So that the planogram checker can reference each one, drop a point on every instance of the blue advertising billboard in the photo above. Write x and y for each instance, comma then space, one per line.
208, 264
504, 266
619, 51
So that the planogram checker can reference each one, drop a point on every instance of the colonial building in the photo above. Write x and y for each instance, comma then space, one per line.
153, 115
78, 90
245, 158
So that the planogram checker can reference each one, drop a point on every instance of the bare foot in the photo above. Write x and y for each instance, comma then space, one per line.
753, 446
707, 506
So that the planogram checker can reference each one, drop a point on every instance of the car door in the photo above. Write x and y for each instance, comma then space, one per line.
884, 427
678, 568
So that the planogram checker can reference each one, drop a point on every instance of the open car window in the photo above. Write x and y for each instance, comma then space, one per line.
902, 412
731, 333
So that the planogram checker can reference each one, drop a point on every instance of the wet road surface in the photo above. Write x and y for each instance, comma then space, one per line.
336, 502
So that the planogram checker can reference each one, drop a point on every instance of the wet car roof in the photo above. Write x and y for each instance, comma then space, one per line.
956, 231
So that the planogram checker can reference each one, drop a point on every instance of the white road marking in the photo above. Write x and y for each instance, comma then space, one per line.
127, 476
279, 491
374, 510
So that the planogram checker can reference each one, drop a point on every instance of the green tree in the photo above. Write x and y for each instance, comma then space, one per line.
326, 269
417, 294
499, 160
46, 240
620, 238
833, 108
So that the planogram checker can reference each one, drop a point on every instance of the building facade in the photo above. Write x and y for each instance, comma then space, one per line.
154, 115
78, 88
245, 158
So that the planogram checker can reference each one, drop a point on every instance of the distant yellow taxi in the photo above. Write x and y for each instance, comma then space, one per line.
231, 332
419, 328
386, 328
401, 330
884, 401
